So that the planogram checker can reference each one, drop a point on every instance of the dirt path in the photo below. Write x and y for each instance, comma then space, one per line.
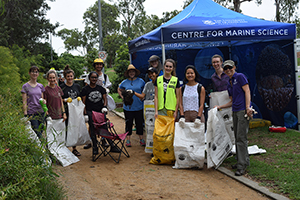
134, 178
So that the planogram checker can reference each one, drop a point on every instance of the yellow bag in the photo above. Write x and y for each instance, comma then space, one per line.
259, 123
163, 137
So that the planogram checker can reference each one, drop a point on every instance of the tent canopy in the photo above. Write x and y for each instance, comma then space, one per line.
205, 20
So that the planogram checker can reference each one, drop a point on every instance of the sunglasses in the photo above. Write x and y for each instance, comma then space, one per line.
94, 77
227, 67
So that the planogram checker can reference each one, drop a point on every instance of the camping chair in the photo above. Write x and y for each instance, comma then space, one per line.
108, 132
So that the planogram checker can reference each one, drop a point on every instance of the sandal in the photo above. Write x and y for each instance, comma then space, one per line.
76, 153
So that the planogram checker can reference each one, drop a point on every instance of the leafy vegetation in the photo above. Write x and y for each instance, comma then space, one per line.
24, 166
278, 169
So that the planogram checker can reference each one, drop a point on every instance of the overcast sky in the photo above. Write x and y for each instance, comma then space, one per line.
69, 13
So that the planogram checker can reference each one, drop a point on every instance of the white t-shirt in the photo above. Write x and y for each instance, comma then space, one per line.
100, 81
190, 98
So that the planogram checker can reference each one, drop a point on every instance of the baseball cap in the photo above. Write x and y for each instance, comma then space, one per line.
228, 63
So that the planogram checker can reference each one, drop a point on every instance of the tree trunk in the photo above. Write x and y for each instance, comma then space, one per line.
277, 10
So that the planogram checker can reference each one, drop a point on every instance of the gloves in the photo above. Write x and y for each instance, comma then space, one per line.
49, 119
197, 123
181, 122
86, 118
130, 91
104, 110
107, 90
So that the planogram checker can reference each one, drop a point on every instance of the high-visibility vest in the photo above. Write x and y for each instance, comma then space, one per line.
170, 102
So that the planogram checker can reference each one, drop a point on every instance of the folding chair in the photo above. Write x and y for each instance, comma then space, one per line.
105, 129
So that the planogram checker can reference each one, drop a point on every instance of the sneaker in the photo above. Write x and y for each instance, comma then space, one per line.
87, 146
240, 172
142, 142
128, 143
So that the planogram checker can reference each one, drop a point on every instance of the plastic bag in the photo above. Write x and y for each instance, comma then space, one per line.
111, 105
163, 137
149, 112
189, 146
77, 133
218, 141
56, 142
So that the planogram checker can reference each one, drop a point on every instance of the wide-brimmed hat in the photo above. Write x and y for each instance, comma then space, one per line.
153, 58
228, 63
131, 67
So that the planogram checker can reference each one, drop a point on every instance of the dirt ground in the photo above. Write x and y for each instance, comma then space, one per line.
134, 178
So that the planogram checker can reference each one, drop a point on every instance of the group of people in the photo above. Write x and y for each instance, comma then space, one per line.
162, 86
55, 97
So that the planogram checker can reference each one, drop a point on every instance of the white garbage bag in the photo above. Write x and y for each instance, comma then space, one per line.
149, 112
34, 138
56, 135
218, 144
221, 98
77, 133
189, 146
111, 105
218, 98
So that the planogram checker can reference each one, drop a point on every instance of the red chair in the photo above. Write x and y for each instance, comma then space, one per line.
105, 129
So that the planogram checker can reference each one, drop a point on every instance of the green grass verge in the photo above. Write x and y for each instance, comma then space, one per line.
116, 97
111, 73
279, 168
24, 166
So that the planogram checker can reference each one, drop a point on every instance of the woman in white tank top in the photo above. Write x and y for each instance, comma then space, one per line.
192, 98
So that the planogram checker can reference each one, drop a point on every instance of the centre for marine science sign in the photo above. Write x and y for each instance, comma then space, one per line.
229, 33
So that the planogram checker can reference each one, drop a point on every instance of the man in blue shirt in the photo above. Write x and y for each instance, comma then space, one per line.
239, 93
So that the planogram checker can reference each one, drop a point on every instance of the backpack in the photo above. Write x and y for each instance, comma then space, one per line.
105, 77
198, 90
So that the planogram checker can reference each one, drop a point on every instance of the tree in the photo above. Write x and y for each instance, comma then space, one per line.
109, 16
285, 10
121, 64
129, 9
112, 43
74, 40
9, 72
236, 4
24, 23
76, 63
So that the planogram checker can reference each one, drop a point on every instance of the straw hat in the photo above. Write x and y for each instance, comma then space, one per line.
131, 67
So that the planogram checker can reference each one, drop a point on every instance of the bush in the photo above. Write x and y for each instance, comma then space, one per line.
24, 172
121, 64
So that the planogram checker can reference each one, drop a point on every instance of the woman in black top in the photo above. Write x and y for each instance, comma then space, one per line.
72, 90
94, 98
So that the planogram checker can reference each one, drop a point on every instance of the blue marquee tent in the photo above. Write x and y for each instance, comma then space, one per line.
263, 50
205, 20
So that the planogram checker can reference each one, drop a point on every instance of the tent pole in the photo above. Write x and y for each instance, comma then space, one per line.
163, 53
297, 81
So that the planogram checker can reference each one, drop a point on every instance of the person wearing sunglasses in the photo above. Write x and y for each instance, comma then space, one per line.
240, 100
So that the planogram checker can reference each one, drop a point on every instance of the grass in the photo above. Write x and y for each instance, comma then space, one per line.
111, 73
24, 166
278, 169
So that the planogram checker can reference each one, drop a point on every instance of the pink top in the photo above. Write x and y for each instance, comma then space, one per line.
53, 98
